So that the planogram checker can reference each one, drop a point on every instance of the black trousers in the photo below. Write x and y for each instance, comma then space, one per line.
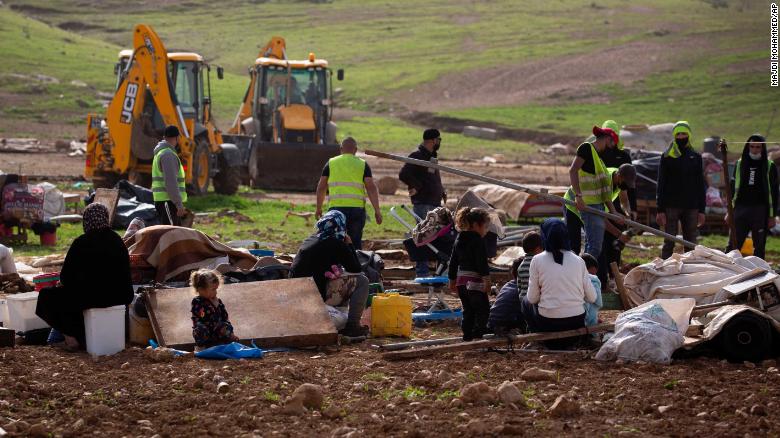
687, 218
356, 221
608, 255
574, 227
539, 324
752, 219
166, 212
57, 306
476, 310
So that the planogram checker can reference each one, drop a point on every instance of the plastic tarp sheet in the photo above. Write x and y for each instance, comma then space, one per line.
700, 274
650, 332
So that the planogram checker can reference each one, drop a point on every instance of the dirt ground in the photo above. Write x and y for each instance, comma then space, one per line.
46, 392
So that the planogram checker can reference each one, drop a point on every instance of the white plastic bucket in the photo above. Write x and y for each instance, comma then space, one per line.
105, 330
3, 312
21, 312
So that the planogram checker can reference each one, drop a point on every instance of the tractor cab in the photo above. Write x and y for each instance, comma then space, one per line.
292, 100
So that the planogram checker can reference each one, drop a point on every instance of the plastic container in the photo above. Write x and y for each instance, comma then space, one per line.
49, 238
105, 330
21, 312
747, 247
373, 290
391, 315
3, 312
46, 280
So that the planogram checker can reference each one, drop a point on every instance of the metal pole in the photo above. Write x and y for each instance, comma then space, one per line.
514, 186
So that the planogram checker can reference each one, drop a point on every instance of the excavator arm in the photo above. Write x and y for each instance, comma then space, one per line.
276, 48
150, 70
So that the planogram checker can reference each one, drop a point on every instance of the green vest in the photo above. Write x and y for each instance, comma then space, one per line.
738, 182
596, 187
158, 180
570, 193
345, 182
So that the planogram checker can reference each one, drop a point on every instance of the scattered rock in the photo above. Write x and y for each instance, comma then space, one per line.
423, 378
331, 412
310, 395
144, 423
749, 364
343, 431
222, 387
294, 406
508, 393
37, 431
539, 375
477, 393
662, 409
456, 403
78, 83
451, 384
772, 370
125, 365
564, 407
477, 427
78, 424
758, 410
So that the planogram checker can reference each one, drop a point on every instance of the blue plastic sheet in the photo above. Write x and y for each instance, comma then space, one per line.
234, 350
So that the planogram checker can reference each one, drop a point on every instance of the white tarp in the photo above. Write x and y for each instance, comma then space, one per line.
715, 320
699, 274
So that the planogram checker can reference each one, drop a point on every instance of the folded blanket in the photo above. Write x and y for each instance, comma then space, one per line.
176, 250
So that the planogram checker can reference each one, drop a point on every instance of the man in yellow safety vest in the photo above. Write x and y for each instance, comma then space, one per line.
591, 186
168, 186
347, 181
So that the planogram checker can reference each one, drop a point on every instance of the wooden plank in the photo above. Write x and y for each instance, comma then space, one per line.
109, 198
276, 313
496, 342
620, 286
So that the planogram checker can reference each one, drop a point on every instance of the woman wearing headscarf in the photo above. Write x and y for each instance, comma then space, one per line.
96, 274
755, 195
328, 246
558, 286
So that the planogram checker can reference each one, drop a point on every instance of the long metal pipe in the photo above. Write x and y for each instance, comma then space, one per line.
514, 186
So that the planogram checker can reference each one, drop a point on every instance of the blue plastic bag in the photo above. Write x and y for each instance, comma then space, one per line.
234, 350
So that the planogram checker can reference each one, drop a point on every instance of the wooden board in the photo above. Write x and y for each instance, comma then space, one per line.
278, 313
109, 198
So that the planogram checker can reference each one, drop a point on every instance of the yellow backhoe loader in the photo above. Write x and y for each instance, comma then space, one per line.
154, 89
283, 127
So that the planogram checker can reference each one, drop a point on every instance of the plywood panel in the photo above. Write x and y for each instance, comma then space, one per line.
109, 198
274, 313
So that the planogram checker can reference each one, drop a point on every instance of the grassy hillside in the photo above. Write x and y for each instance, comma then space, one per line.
390, 48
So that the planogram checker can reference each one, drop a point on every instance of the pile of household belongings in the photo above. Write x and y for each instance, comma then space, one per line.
164, 253
517, 204
700, 277
134, 202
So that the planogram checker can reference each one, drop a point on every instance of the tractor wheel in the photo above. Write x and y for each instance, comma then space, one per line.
200, 170
746, 337
228, 179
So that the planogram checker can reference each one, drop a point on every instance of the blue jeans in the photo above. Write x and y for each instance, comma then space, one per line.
594, 230
421, 268
356, 220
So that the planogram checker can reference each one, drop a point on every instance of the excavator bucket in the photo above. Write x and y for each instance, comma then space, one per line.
289, 166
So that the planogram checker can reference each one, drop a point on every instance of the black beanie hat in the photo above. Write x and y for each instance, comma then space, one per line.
171, 131
430, 134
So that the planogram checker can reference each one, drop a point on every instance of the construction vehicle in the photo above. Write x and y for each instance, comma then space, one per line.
155, 89
284, 127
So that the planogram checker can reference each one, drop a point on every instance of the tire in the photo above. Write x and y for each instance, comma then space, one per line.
746, 337
200, 170
228, 179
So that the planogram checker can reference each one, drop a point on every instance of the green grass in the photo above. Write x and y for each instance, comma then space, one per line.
264, 224
390, 135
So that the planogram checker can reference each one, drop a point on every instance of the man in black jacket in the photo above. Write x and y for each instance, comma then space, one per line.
681, 189
425, 187
755, 194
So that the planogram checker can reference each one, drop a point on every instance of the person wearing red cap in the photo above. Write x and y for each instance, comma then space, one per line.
591, 186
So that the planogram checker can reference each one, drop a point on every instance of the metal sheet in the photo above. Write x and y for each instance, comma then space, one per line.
275, 313
750, 283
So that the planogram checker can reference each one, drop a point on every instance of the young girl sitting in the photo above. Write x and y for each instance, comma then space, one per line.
210, 324
469, 272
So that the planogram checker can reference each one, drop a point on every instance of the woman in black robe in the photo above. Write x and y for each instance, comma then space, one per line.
96, 274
